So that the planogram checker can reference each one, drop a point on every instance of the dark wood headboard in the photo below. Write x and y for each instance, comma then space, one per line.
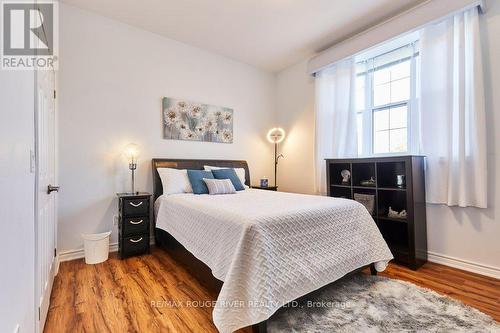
193, 165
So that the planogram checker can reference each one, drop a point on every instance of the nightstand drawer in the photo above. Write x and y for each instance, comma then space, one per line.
134, 245
134, 225
135, 207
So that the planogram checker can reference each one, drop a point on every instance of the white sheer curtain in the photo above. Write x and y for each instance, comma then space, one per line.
452, 115
335, 117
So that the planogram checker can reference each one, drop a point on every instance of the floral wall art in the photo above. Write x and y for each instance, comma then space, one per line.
184, 120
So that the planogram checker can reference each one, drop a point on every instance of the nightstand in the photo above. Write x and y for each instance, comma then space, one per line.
133, 224
269, 188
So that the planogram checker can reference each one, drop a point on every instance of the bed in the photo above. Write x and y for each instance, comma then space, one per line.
263, 249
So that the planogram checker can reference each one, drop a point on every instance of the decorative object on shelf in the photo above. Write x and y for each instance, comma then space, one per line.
132, 153
397, 215
264, 182
184, 120
276, 135
367, 200
400, 180
346, 176
368, 182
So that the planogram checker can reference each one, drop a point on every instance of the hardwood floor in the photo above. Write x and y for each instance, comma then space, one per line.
152, 294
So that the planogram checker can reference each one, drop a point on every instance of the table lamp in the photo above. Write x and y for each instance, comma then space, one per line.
132, 152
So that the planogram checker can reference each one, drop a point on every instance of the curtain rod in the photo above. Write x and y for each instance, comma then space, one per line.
405, 22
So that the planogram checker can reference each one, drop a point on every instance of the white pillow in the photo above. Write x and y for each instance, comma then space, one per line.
240, 172
174, 181
219, 186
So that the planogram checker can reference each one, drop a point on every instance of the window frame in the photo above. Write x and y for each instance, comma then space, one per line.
411, 103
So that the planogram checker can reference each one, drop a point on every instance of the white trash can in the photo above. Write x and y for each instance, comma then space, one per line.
96, 247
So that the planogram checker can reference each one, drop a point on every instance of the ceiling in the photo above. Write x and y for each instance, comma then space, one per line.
268, 34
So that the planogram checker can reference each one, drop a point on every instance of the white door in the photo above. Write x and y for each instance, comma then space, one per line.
45, 224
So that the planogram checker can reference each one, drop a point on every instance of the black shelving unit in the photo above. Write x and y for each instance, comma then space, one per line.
406, 237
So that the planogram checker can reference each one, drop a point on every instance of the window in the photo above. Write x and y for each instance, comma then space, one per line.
385, 96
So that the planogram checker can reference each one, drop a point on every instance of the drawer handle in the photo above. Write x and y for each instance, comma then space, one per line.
136, 205
136, 240
136, 222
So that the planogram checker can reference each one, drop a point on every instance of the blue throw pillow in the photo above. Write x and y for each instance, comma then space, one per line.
229, 174
196, 180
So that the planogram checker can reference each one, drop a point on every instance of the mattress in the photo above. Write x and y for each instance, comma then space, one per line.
270, 248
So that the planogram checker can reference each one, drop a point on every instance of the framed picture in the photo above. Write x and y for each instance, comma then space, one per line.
191, 121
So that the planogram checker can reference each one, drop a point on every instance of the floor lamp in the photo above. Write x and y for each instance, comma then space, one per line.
276, 135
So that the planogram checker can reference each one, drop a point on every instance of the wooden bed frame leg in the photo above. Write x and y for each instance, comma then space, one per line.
373, 271
260, 327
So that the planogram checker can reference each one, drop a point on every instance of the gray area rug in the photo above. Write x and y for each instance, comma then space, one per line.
364, 303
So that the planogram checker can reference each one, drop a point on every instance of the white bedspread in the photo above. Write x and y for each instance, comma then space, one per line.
269, 247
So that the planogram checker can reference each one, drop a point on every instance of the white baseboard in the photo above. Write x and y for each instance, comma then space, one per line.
464, 265
80, 253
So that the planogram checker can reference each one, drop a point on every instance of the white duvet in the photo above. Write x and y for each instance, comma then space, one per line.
270, 248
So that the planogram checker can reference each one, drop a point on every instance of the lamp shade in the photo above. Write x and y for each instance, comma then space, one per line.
276, 135
132, 152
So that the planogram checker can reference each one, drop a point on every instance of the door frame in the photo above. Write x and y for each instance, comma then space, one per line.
40, 317
39, 188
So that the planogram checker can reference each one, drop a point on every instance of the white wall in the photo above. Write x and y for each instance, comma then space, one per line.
111, 80
295, 113
17, 246
467, 238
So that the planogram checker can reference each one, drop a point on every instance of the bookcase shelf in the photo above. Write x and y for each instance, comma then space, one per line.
406, 237
391, 189
393, 219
